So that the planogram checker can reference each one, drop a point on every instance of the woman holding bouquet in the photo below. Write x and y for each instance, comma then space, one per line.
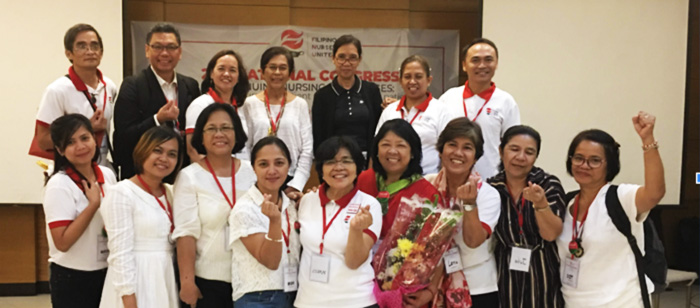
460, 145
532, 211
339, 226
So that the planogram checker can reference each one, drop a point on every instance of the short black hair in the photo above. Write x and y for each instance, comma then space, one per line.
276, 51
151, 139
163, 27
462, 127
347, 39
331, 146
72, 33
479, 40
521, 130
240, 90
270, 140
404, 130
416, 58
198, 138
62, 130
610, 147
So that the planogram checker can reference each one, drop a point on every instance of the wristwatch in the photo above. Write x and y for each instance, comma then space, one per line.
465, 207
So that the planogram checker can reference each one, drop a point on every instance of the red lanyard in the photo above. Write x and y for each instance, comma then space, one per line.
576, 233
233, 181
289, 229
465, 96
328, 226
518, 210
169, 210
80, 86
218, 99
274, 123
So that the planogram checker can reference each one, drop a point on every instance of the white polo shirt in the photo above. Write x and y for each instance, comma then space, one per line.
608, 272
428, 120
61, 97
498, 114
346, 288
195, 109
201, 211
63, 202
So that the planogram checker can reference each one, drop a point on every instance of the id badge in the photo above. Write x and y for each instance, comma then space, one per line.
320, 268
453, 262
290, 278
227, 247
102, 249
570, 275
520, 259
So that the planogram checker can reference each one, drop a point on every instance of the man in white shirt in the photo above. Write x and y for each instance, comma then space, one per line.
155, 96
479, 100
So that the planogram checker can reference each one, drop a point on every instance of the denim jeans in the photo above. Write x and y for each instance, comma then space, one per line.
265, 299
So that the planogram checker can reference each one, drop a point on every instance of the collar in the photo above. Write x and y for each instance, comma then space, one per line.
486, 94
342, 202
218, 99
422, 106
258, 198
77, 177
162, 81
78, 83
337, 88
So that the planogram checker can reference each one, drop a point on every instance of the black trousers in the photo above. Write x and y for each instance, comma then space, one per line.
215, 293
75, 288
488, 300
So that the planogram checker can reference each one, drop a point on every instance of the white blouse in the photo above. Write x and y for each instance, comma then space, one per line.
201, 211
294, 130
246, 218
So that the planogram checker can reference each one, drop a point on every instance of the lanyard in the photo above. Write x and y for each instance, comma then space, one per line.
77, 178
169, 210
233, 181
218, 99
328, 226
515, 206
465, 96
289, 229
80, 86
577, 233
274, 124
403, 102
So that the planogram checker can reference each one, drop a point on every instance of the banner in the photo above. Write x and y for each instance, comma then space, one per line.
383, 50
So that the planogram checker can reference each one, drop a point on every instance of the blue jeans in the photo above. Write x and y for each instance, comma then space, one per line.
265, 299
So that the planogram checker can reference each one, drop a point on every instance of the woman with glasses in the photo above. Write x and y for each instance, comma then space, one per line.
276, 112
597, 264
225, 82
348, 105
339, 226
532, 210
205, 193
83, 90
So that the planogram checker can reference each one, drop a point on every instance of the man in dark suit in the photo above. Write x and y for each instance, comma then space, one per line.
155, 96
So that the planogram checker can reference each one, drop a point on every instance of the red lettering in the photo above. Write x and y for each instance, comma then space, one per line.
323, 75
394, 76
252, 75
367, 76
377, 75
386, 75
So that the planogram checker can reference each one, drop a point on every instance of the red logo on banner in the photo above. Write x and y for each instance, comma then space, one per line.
292, 39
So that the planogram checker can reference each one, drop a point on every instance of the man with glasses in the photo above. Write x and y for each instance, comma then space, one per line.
155, 96
347, 106
83, 90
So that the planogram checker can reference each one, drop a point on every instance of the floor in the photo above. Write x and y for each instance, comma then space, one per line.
673, 298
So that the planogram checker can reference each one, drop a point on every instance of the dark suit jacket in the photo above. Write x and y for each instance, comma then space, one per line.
140, 97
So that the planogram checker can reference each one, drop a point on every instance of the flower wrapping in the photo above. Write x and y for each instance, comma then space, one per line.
411, 251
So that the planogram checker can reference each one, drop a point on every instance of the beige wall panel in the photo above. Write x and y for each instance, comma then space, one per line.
343, 4
145, 10
348, 18
227, 14
233, 2
17, 244
445, 5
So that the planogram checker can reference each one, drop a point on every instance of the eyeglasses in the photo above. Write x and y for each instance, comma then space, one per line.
352, 58
84, 47
345, 162
281, 68
169, 48
213, 130
593, 162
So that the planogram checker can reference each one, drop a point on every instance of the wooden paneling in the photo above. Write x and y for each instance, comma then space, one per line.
357, 4
445, 6
284, 3
349, 18
17, 244
42, 246
145, 10
227, 14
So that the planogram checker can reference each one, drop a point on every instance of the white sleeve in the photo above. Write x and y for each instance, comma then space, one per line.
117, 212
186, 207
303, 170
244, 153
627, 194
488, 201
245, 113
383, 118
244, 222
191, 115
59, 206
511, 117
51, 106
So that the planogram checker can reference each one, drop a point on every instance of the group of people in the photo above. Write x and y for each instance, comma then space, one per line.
236, 227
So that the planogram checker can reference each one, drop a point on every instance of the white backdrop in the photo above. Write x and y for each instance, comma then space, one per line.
382, 53
32, 57
574, 65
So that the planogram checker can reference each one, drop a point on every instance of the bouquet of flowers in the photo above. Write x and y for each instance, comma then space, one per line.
413, 248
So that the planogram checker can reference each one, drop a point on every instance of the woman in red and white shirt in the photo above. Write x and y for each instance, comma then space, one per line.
77, 248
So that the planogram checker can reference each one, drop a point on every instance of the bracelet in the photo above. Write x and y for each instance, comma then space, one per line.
271, 240
542, 209
653, 145
465, 207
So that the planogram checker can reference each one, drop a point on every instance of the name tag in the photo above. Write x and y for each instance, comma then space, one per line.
353, 209
102, 249
453, 262
227, 246
570, 275
520, 259
290, 278
320, 268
